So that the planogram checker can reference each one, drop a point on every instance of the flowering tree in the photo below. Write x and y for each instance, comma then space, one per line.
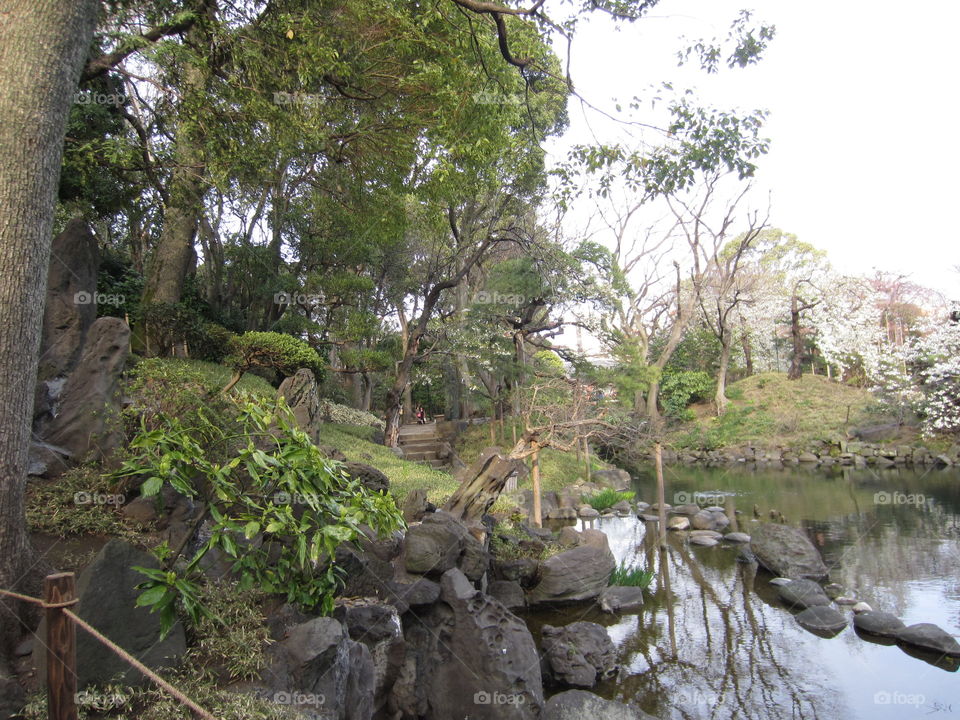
936, 359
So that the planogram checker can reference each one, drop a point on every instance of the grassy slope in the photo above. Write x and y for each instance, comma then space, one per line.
770, 410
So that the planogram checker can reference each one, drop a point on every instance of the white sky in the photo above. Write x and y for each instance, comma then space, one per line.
864, 99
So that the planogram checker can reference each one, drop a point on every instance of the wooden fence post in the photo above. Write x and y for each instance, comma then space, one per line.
61, 648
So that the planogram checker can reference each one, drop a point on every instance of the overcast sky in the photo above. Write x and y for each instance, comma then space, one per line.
864, 107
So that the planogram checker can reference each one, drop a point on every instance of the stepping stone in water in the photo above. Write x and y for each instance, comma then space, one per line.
803, 594
704, 541
781, 581
929, 637
822, 618
736, 537
878, 623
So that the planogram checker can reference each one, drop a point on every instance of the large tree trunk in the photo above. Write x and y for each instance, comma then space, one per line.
396, 393
721, 396
43, 44
747, 346
797, 338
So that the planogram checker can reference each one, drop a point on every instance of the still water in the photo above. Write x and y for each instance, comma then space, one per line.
714, 641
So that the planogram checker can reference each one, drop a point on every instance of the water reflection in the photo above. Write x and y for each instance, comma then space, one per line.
714, 640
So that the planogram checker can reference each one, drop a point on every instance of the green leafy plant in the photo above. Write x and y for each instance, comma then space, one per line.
607, 498
631, 576
278, 509
679, 389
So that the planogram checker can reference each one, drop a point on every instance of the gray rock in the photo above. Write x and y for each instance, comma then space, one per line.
821, 618
928, 636
786, 551
678, 522
589, 513
613, 477
416, 506
300, 392
736, 537
12, 697
704, 541
833, 590
649, 518
579, 654
368, 476
562, 513
710, 520
569, 537
461, 654
878, 623
87, 418
508, 592
580, 704
620, 598
688, 509
803, 594
623, 507
712, 534
107, 593
435, 545
780, 581
580, 573
377, 627
844, 600
404, 596
862, 607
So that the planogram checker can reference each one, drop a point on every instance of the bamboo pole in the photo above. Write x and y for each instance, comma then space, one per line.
661, 496
535, 477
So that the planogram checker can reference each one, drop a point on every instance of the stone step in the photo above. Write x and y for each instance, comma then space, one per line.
421, 444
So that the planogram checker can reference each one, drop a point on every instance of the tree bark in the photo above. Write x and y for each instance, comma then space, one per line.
43, 43
721, 395
797, 338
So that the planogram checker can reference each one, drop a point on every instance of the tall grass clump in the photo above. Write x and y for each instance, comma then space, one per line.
607, 498
631, 576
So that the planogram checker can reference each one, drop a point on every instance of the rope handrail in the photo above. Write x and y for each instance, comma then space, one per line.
123, 654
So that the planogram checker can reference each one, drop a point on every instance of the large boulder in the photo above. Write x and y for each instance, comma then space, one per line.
580, 573
107, 600
442, 542
579, 654
467, 656
368, 564
69, 310
377, 626
86, 416
709, 520
621, 598
612, 477
928, 636
300, 392
580, 704
787, 552
318, 669
416, 506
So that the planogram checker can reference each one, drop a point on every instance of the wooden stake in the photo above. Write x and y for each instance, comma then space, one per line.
661, 501
61, 648
586, 456
535, 477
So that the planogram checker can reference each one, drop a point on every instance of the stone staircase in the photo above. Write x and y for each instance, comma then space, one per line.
422, 443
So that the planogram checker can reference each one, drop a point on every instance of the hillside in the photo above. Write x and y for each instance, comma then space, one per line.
768, 410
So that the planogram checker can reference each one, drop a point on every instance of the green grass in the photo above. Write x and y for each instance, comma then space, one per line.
631, 577
354, 441
770, 410
212, 374
607, 498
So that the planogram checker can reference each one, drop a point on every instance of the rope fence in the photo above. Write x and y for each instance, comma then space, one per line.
59, 592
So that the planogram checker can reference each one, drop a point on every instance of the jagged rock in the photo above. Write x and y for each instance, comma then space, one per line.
300, 392
69, 309
369, 476
523, 570
509, 593
821, 618
787, 551
87, 418
580, 704
435, 545
467, 656
107, 593
928, 636
416, 506
803, 594
378, 627
579, 654
878, 623
319, 666
622, 507
580, 573
12, 697
620, 598
404, 596
368, 564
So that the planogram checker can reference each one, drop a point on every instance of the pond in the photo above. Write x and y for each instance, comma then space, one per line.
714, 641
